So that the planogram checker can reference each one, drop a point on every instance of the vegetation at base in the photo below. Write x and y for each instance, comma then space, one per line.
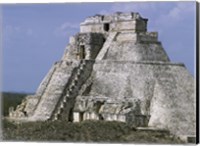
86, 131
10, 99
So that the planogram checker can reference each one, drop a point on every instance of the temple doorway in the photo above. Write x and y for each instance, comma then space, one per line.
106, 26
82, 52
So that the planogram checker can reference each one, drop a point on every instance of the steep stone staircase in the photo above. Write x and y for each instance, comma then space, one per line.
106, 45
67, 100
54, 90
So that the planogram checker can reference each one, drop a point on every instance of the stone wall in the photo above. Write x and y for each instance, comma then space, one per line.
164, 96
173, 103
109, 109
54, 90
115, 22
66, 101
133, 51
92, 43
129, 46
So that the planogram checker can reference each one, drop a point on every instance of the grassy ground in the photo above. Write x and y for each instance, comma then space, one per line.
87, 131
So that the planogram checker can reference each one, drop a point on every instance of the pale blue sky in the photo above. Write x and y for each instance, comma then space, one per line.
35, 35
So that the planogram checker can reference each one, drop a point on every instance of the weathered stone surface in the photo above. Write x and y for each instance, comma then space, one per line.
115, 70
105, 108
54, 90
117, 22
84, 45
131, 51
46, 80
106, 45
174, 100
159, 87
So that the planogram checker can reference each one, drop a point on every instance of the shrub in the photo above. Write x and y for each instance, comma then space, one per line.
10, 99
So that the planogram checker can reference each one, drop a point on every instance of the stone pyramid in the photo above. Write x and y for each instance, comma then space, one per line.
115, 70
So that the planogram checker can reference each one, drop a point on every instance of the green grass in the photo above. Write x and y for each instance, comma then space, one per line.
87, 131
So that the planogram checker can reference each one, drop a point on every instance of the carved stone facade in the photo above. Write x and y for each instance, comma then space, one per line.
115, 70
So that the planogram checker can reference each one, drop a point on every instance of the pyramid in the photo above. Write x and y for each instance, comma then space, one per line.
115, 70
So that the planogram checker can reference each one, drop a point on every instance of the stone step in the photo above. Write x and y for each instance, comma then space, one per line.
71, 89
106, 45
82, 67
76, 78
83, 63
58, 116
73, 83
79, 71
53, 92
65, 99
72, 86
59, 110
55, 117
68, 93
61, 105
153, 129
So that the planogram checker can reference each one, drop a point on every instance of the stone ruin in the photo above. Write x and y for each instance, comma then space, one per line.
115, 70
